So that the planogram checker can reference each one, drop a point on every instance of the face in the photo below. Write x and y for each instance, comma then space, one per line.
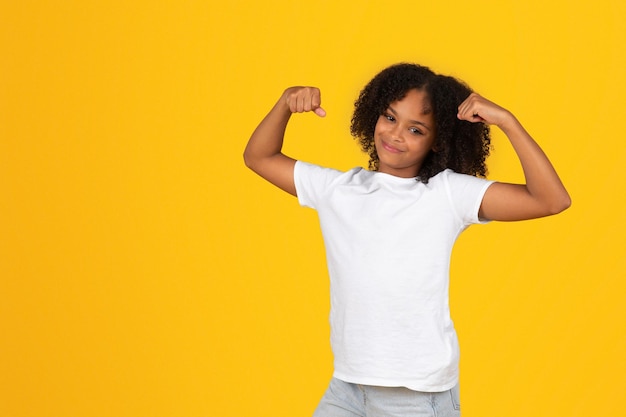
404, 135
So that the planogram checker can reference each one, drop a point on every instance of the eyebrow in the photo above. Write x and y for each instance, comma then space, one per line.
415, 122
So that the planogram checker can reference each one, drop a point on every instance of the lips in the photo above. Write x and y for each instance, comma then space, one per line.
389, 148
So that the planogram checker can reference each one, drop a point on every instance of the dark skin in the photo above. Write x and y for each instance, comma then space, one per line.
542, 194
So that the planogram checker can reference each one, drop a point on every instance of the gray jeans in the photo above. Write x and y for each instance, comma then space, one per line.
343, 399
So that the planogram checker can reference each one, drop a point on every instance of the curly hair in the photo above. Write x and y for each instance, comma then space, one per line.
459, 145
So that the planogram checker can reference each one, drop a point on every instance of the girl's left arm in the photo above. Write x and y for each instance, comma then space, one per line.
542, 195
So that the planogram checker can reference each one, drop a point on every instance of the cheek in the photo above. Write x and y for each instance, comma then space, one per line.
381, 130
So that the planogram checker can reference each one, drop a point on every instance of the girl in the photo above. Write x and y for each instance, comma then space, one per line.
389, 231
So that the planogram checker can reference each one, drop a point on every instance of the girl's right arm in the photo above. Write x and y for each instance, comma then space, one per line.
263, 153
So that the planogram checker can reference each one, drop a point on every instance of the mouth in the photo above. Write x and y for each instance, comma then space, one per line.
388, 147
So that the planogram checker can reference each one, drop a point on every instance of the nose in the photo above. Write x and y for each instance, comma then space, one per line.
396, 133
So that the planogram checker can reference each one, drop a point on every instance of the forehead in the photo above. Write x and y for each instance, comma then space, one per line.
414, 102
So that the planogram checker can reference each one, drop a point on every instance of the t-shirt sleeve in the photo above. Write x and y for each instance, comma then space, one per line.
466, 194
312, 182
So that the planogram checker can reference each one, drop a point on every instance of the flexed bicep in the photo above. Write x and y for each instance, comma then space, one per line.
543, 194
263, 153
512, 202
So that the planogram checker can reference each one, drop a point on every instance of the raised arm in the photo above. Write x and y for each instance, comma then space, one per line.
263, 153
543, 194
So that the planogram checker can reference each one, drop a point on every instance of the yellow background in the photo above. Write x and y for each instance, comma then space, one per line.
144, 271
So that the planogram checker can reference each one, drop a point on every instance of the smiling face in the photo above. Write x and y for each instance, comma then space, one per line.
404, 135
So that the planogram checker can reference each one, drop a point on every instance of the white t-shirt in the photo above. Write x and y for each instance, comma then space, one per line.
388, 243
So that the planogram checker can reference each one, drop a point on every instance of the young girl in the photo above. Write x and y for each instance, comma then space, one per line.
389, 230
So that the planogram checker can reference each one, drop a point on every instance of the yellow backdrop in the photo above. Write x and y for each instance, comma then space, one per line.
144, 271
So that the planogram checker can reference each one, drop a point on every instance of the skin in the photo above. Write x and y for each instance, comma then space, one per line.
404, 135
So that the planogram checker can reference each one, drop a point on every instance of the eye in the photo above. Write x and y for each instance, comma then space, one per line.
389, 117
415, 131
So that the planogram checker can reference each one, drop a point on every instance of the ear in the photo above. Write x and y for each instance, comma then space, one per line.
435, 148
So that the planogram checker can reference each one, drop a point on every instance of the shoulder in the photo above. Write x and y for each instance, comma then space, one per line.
465, 193
455, 180
306, 170
313, 182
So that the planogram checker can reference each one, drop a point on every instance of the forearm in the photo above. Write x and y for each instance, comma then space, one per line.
263, 153
542, 180
267, 139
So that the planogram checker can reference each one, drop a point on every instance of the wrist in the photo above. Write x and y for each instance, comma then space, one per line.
281, 108
508, 123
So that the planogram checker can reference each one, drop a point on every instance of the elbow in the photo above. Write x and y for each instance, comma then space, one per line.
560, 205
567, 202
252, 159
248, 160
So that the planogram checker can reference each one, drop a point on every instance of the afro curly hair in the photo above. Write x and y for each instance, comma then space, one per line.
459, 145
